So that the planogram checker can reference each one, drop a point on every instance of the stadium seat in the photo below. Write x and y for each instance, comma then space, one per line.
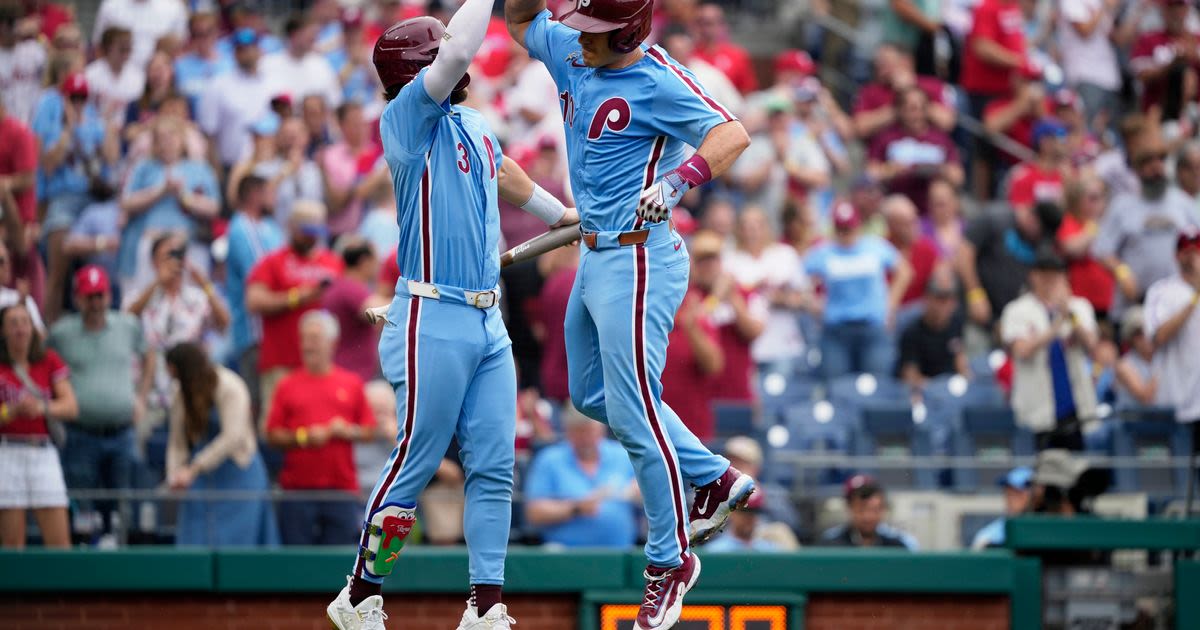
1151, 434
778, 394
819, 428
857, 391
990, 435
734, 418
888, 431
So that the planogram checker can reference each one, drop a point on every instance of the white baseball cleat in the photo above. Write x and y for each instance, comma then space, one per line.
496, 619
367, 615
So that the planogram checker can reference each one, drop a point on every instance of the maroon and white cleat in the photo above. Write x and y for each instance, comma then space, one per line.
665, 587
714, 503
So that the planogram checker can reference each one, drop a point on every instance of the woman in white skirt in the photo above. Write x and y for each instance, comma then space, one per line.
33, 387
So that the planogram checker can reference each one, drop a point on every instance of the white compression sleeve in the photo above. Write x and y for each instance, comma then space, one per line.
464, 36
544, 206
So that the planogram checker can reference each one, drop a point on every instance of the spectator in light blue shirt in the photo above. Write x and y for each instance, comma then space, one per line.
352, 61
253, 233
164, 193
195, 69
581, 492
1017, 484
860, 304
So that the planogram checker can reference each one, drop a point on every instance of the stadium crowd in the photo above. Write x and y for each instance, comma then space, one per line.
196, 213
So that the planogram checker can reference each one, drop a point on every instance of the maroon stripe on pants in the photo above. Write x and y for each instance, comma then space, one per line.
639, 357
414, 320
426, 232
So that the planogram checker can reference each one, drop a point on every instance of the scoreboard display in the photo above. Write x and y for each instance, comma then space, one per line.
733, 617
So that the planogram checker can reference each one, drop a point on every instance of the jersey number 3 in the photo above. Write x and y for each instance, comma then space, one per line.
464, 162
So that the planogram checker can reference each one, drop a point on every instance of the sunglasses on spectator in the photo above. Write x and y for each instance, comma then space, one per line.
1147, 158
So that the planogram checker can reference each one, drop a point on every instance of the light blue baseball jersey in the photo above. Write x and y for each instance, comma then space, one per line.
625, 127
444, 161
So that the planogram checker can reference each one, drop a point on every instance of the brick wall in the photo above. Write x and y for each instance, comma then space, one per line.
441, 612
881, 612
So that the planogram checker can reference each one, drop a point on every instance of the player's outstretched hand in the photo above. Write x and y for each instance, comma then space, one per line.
657, 201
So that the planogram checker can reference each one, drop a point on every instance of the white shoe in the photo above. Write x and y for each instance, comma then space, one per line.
367, 615
496, 619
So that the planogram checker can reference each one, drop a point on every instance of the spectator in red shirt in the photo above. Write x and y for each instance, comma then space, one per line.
548, 316
286, 284
714, 47
694, 362
347, 299
18, 168
904, 232
1015, 115
739, 316
1041, 179
319, 411
33, 388
874, 109
995, 47
1160, 59
1086, 199
908, 155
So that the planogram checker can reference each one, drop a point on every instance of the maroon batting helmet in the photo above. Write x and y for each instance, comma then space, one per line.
627, 20
408, 46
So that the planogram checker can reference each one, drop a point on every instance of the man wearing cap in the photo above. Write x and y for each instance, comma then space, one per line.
932, 345
1173, 324
1017, 484
1137, 236
874, 107
235, 100
860, 303
866, 504
907, 155
1041, 179
285, 285
1050, 335
112, 370
1159, 60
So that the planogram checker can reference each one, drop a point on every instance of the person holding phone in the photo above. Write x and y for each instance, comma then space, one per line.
285, 285
179, 306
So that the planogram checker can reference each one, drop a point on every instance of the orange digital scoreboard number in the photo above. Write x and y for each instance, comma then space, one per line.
621, 617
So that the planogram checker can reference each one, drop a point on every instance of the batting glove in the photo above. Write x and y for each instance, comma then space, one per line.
658, 200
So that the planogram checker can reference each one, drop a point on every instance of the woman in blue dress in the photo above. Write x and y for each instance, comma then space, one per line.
212, 447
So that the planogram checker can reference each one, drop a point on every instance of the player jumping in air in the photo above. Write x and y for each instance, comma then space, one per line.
444, 347
628, 111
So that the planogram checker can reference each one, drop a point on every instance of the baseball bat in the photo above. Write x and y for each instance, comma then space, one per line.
538, 245
534, 247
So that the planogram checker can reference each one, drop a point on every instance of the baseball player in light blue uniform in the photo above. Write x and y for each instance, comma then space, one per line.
444, 347
629, 112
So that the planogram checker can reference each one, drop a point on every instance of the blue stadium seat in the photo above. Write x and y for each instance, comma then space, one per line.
854, 392
1151, 434
734, 418
818, 427
778, 394
988, 434
888, 431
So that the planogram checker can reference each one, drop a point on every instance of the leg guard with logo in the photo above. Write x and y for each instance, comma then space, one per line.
387, 529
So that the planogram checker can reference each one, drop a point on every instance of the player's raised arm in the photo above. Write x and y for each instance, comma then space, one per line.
518, 14
719, 150
464, 35
517, 188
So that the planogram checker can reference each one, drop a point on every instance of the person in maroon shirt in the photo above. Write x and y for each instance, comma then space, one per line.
548, 316
286, 284
874, 109
694, 362
18, 166
347, 299
319, 411
739, 316
714, 47
921, 252
1014, 116
1160, 60
912, 152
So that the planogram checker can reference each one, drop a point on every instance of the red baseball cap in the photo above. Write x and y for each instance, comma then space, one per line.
75, 85
91, 280
856, 482
793, 60
352, 17
1189, 237
845, 216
